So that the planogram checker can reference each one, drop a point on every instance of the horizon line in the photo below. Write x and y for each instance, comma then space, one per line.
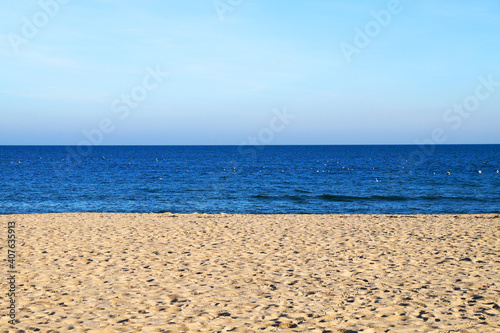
270, 145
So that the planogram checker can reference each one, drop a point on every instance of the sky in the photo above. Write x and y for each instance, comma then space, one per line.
211, 72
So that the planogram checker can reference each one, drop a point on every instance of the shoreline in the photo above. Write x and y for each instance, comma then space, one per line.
145, 272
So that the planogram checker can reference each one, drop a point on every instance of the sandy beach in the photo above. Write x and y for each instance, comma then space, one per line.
252, 273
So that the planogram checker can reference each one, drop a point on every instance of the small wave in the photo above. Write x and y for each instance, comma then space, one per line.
437, 198
348, 198
261, 196
389, 198
296, 198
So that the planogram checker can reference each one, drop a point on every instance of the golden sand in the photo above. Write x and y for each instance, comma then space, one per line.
254, 273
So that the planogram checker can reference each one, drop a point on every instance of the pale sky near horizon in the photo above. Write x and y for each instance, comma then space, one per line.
416, 66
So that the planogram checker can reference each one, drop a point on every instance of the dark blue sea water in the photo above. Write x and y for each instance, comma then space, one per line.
448, 179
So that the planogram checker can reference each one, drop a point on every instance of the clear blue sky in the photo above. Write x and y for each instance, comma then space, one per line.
229, 66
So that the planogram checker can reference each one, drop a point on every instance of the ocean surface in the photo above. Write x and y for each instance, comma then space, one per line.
397, 179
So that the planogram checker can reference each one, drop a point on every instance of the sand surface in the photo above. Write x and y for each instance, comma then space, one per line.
254, 273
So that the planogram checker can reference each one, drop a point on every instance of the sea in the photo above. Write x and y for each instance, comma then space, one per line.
358, 179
